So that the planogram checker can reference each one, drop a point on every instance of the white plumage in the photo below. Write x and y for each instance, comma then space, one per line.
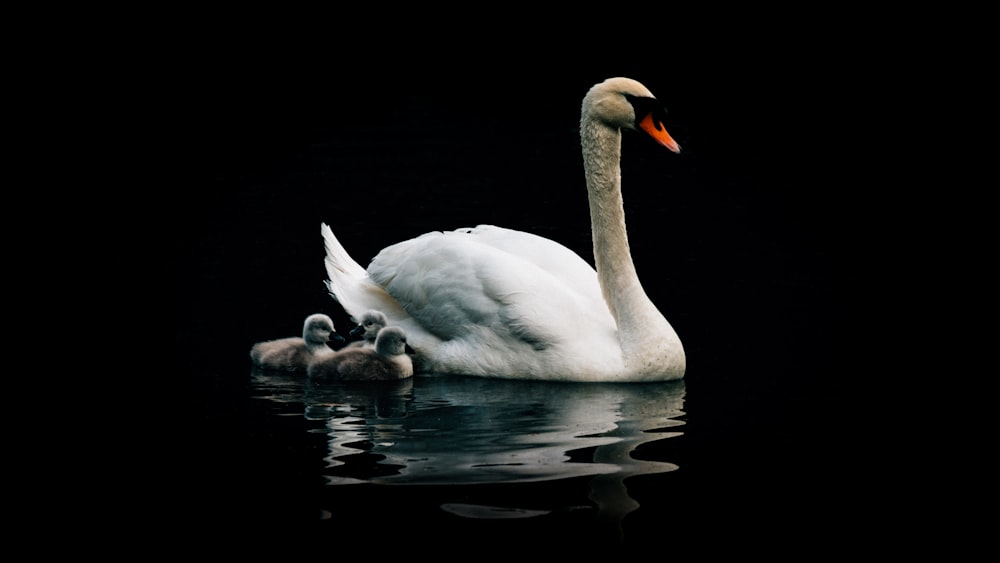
495, 302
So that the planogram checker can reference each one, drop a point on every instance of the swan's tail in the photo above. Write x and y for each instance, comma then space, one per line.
338, 261
343, 273
349, 284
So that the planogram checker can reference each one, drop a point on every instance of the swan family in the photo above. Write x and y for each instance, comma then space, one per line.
496, 302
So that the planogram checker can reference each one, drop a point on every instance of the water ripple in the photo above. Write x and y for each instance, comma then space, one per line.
447, 430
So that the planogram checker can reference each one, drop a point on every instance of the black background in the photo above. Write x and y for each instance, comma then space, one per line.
732, 238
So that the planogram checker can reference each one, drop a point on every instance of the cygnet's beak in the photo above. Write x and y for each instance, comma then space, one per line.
356, 331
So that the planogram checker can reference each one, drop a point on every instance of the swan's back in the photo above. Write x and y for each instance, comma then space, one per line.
489, 298
556, 259
468, 274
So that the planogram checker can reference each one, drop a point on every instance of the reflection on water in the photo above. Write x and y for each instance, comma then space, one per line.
446, 430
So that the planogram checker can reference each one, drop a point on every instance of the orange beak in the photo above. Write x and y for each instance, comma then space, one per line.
658, 132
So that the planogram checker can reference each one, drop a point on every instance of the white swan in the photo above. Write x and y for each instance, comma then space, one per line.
387, 361
368, 326
295, 353
489, 301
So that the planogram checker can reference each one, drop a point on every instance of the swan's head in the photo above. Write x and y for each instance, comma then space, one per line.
317, 329
624, 103
391, 341
369, 324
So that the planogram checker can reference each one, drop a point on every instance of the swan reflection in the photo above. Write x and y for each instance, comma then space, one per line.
444, 430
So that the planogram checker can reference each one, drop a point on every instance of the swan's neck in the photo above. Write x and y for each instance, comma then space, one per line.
612, 257
642, 329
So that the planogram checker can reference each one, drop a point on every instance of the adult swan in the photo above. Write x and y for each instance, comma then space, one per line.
493, 302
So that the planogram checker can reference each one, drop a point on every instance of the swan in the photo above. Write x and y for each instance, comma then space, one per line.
494, 302
368, 326
295, 353
386, 361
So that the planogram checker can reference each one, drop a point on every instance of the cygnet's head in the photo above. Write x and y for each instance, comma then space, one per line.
317, 329
370, 323
391, 341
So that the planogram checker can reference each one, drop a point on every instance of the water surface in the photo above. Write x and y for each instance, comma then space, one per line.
462, 431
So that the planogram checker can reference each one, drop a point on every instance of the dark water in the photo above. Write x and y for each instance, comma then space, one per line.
731, 240
461, 432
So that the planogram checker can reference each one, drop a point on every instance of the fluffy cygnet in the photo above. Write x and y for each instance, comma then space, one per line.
368, 327
295, 353
386, 361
